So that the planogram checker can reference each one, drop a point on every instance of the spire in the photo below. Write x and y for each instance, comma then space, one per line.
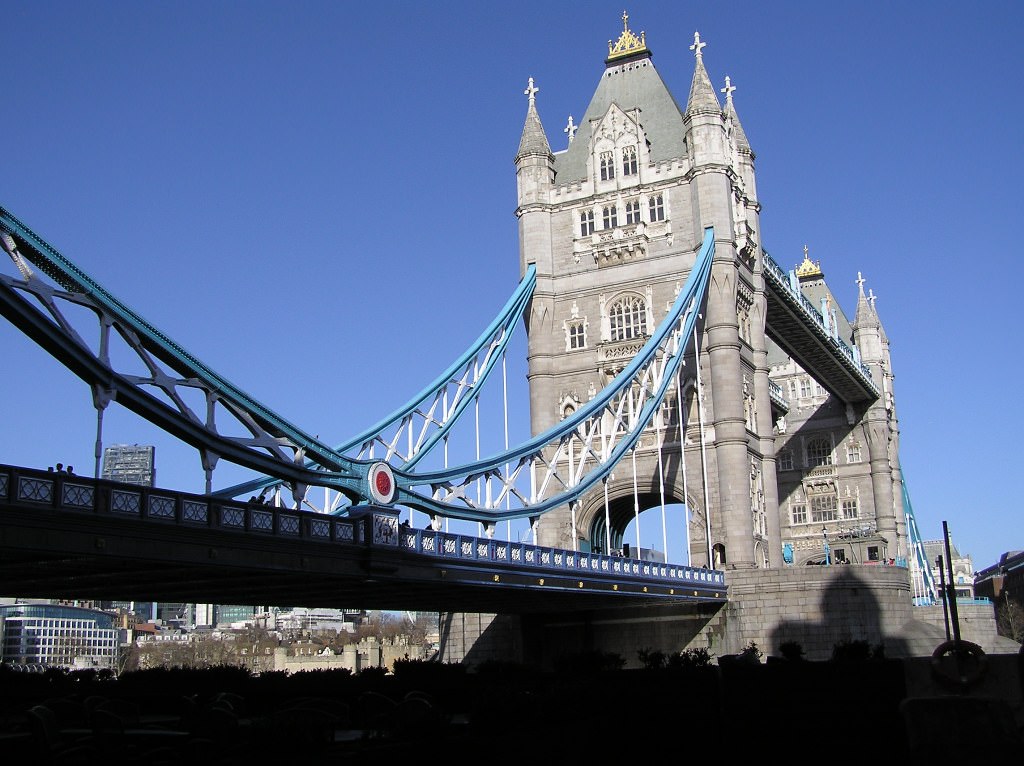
730, 112
534, 140
866, 315
702, 94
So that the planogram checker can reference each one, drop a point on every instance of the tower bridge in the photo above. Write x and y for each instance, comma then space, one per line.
671, 360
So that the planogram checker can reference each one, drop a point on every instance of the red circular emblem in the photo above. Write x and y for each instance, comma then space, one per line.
382, 483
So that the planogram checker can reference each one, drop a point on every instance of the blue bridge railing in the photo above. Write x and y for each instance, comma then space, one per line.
785, 281
363, 526
445, 545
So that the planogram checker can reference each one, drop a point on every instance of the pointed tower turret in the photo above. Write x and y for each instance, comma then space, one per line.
880, 423
534, 141
535, 174
867, 329
702, 94
736, 130
703, 118
747, 221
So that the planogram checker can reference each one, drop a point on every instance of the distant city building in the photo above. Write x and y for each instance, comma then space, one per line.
57, 635
1003, 581
311, 621
130, 464
204, 616
963, 567
228, 614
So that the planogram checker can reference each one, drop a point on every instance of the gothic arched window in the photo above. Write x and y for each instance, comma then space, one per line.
632, 211
586, 223
629, 161
628, 318
819, 452
657, 207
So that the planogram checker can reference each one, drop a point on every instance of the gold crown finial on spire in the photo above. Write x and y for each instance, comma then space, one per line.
808, 269
628, 42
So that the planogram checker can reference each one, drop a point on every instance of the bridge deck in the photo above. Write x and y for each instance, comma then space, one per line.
66, 536
798, 329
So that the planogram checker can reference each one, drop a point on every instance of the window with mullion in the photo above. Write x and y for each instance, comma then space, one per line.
586, 223
629, 161
610, 216
628, 319
633, 211
656, 205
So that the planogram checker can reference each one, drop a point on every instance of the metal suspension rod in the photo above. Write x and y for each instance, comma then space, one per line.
607, 521
703, 449
636, 503
476, 416
661, 483
682, 463
504, 402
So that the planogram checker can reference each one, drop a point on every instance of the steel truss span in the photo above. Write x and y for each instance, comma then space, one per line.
380, 465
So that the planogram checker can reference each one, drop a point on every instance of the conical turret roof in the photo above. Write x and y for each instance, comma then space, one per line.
702, 94
730, 112
534, 140
866, 315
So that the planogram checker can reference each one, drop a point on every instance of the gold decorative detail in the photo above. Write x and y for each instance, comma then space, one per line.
581, 583
645, 589
628, 42
540, 581
808, 269
615, 587
497, 578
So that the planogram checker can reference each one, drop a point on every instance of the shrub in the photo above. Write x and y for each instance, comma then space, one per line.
751, 653
698, 657
427, 671
857, 651
372, 673
791, 650
652, 659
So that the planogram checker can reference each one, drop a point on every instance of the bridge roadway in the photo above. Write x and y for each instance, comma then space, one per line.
69, 536
800, 330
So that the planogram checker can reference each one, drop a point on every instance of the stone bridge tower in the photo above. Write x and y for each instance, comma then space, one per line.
613, 223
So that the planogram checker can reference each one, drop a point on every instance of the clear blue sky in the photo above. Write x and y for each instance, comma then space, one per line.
317, 198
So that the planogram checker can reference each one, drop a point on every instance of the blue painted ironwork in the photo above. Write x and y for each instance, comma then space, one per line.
777, 396
468, 548
787, 285
629, 402
170, 366
920, 567
365, 527
451, 392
